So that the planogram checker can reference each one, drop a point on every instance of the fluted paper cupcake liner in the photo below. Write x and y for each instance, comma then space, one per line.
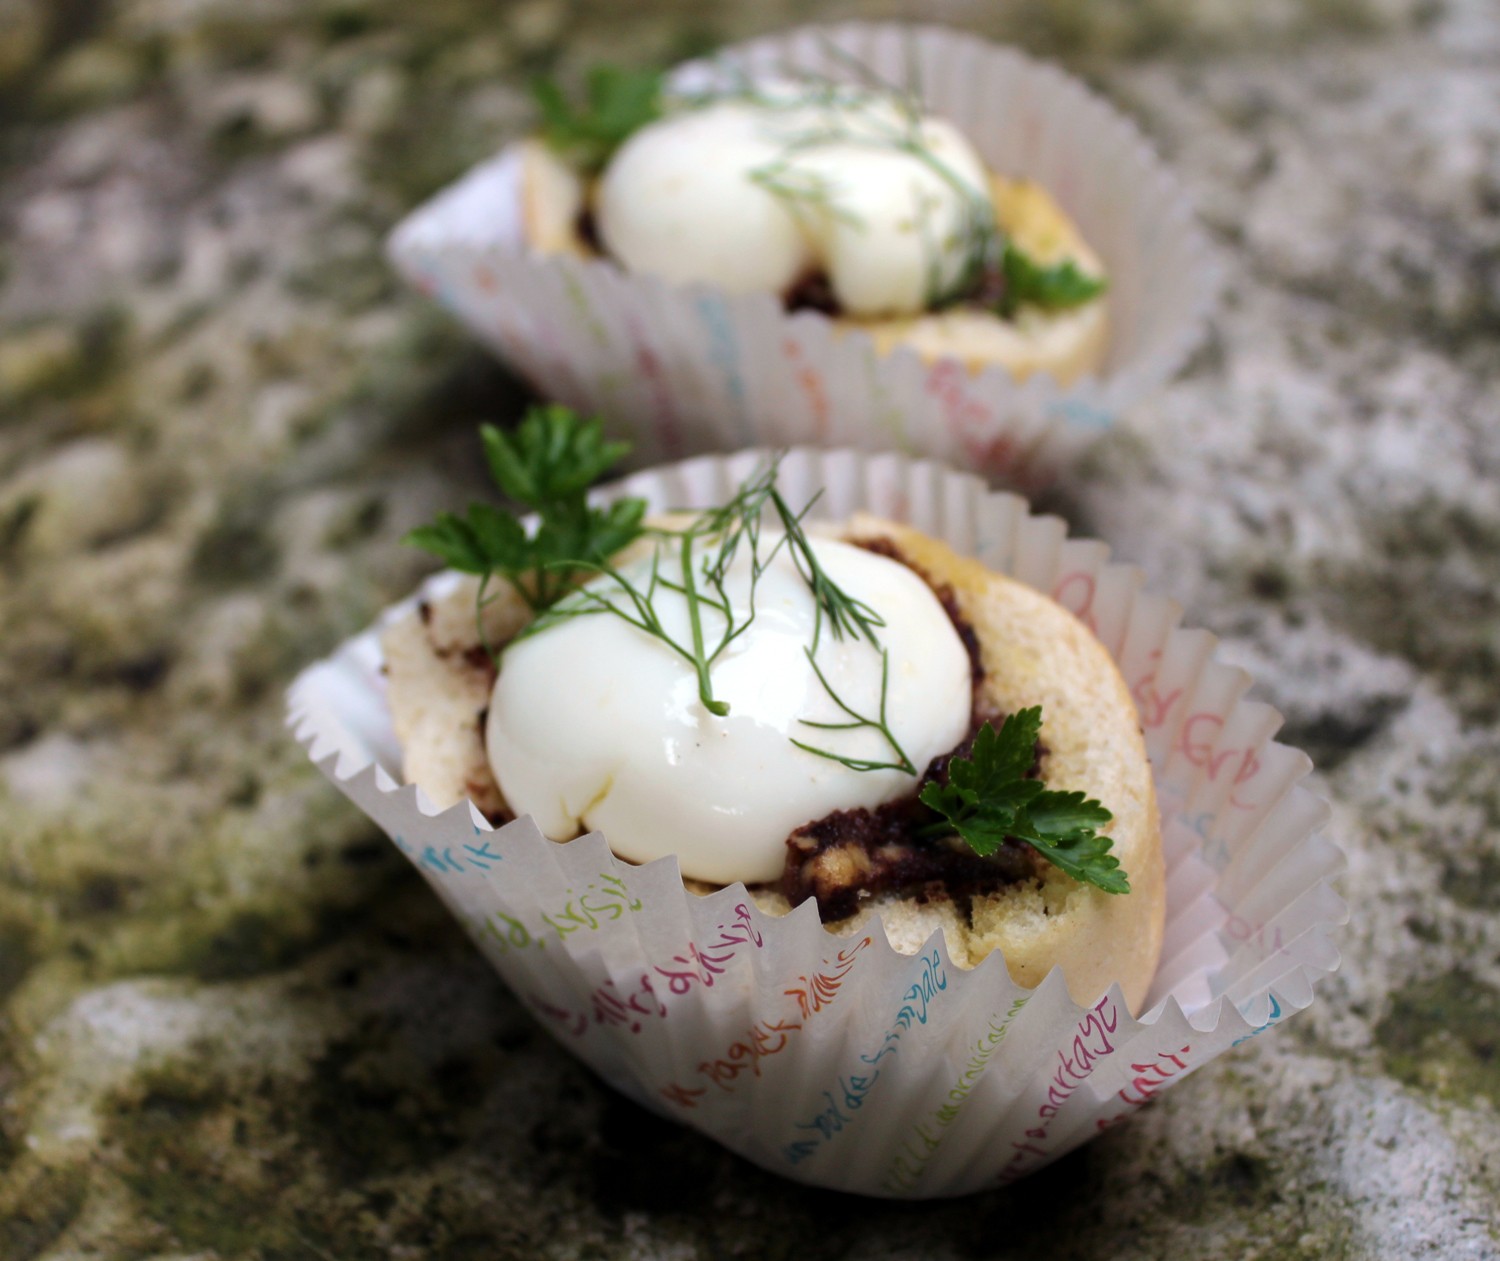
835, 1060
684, 369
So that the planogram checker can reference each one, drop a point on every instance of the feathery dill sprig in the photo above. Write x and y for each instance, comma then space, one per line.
692, 561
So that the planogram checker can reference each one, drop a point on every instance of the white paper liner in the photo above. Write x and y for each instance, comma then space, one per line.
689, 369
835, 1060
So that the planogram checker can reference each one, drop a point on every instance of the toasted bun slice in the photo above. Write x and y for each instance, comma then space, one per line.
553, 196
1062, 344
438, 683
1033, 651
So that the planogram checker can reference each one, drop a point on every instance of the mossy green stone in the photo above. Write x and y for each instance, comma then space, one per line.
234, 1023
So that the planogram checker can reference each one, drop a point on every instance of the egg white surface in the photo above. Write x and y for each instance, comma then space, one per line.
690, 198
596, 725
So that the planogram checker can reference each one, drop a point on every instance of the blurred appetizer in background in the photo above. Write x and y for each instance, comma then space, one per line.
844, 198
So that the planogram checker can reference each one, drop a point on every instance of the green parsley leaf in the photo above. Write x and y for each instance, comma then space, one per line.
1063, 830
988, 799
547, 463
1055, 288
576, 537
551, 457
618, 102
487, 540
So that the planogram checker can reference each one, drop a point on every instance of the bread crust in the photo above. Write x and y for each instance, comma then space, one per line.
1064, 345
1034, 652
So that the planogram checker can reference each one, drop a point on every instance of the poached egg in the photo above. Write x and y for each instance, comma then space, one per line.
754, 194
596, 724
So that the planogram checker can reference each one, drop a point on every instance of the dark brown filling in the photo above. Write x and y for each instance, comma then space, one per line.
849, 856
588, 231
814, 292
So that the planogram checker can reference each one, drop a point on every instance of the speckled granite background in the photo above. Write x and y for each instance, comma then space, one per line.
235, 1025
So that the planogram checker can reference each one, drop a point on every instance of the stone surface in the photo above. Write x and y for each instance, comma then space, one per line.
236, 1026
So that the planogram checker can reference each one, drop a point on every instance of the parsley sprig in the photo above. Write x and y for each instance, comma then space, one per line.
617, 102
988, 798
1057, 288
547, 464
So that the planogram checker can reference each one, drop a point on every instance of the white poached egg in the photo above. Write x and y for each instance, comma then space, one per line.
754, 194
595, 724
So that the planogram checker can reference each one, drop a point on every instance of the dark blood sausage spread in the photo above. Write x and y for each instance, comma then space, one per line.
813, 292
849, 856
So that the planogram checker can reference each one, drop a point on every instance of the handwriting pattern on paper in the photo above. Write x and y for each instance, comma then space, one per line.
1085, 415
600, 903
1274, 1016
579, 299
1090, 1045
887, 413
848, 1094
642, 999
1173, 804
453, 860
1198, 742
664, 403
1198, 737
926, 1137
814, 993
723, 349
1253, 933
1151, 702
810, 381
1075, 592
1150, 1079
947, 384
968, 417
1151, 1076
765, 1038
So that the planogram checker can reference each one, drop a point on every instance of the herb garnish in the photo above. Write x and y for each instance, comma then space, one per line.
858, 722
618, 102
547, 464
988, 798
1056, 288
